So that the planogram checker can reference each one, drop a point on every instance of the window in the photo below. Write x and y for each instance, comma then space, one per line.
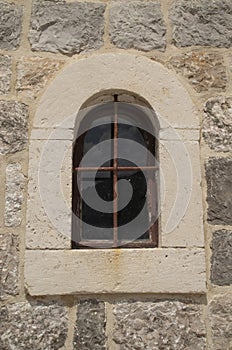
115, 179
58, 120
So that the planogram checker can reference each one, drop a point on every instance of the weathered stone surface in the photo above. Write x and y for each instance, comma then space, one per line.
10, 25
217, 123
14, 195
203, 70
9, 246
221, 260
5, 73
137, 25
13, 126
25, 326
200, 22
219, 197
220, 316
69, 28
90, 326
34, 73
169, 270
164, 325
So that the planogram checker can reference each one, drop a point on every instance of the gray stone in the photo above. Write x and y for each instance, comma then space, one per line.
89, 332
33, 73
9, 260
200, 22
203, 70
10, 25
220, 316
221, 259
137, 25
5, 73
14, 195
13, 126
217, 123
36, 325
219, 194
161, 325
69, 28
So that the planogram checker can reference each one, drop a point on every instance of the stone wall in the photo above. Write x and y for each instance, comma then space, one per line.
192, 38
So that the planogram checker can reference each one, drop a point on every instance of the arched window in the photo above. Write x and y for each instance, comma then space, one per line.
115, 178
181, 236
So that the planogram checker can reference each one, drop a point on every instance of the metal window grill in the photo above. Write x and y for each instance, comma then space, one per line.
114, 168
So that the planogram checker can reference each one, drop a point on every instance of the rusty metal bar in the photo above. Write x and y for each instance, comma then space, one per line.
118, 168
115, 173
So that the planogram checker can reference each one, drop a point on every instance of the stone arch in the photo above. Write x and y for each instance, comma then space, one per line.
89, 76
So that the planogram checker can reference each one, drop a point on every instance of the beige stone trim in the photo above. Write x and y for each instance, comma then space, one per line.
181, 195
115, 271
140, 75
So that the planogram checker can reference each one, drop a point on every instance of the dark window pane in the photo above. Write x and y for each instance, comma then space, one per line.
132, 184
96, 147
97, 205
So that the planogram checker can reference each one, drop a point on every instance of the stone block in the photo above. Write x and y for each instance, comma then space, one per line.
68, 28
15, 183
13, 126
219, 196
217, 126
49, 195
203, 70
9, 260
220, 317
159, 325
202, 23
137, 25
221, 260
33, 73
90, 326
36, 325
10, 25
97, 271
181, 212
5, 73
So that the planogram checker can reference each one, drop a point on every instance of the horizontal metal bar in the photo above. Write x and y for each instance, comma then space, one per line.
118, 168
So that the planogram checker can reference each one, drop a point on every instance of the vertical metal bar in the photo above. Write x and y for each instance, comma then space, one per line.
115, 173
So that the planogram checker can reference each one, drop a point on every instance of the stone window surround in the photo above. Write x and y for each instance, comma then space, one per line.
178, 264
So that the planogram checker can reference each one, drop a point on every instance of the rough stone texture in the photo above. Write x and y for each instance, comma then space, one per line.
203, 70
34, 73
137, 25
221, 260
66, 28
13, 126
220, 316
90, 326
38, 326
8, 265
5, 73
164, 325
14, 195
217, 124
10, 25
219, 197
200, 22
